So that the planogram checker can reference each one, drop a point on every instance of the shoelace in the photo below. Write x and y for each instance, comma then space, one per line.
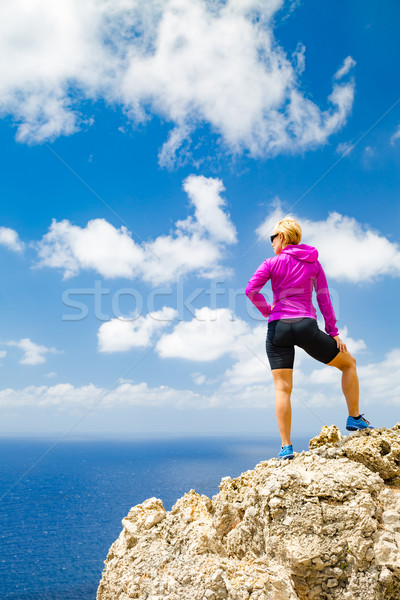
364, 419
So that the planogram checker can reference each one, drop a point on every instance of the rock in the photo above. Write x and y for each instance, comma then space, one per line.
329, 436
391, 517
324, 526
381, 454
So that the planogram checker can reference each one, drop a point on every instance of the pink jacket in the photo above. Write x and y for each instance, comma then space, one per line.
293, 274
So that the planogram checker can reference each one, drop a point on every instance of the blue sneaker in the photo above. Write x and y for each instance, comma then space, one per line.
354, 424
286, 452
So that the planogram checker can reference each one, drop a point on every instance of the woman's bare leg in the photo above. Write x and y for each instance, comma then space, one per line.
346, 363
283, 380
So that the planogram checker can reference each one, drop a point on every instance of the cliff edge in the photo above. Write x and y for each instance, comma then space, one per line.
323, 526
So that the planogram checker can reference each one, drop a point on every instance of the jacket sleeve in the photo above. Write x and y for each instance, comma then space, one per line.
257, 281
325, 304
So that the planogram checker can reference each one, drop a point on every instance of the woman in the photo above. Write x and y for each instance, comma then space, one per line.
294, 272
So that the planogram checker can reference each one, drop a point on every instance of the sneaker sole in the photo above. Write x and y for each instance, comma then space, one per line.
289, 456
358, 428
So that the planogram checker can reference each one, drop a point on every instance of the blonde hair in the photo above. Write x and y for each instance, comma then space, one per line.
290, 229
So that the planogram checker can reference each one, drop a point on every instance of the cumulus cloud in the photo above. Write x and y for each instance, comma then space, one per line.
195, 245
349, 250
208, 336
66, 396
248, 383
249, 370
33, 354
205, 195
122, 334
190, 62
216, 333
10, 239
99, 246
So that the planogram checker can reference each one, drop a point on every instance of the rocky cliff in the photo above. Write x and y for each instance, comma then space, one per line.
324, 526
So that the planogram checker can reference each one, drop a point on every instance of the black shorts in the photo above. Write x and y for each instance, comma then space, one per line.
284, 334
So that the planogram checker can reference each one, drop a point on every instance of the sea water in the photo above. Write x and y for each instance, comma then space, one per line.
62, 509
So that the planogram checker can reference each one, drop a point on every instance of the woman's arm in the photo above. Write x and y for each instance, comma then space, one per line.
257, 281
325, 304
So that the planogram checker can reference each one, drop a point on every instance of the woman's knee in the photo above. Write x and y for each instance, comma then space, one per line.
283, 380
283, 386
351, 362
344, 361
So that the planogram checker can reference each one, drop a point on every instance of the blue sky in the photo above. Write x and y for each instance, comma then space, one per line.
145, 154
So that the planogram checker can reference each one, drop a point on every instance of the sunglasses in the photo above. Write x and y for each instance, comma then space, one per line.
272, 237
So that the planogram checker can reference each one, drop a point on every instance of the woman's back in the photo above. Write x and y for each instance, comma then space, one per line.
292, 274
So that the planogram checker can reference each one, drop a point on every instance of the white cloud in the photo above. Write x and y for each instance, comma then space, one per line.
99, 246
351, 251
348, 250
348, 64
395, 136
249, 370
205, 194
208, 336
247, 383
196, 244
121, 334
3, 353
10, 239
66, 396
34, 354
191, 62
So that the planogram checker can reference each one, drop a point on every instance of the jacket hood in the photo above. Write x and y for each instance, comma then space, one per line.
302, 252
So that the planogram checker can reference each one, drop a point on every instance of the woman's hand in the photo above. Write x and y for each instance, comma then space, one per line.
341, 345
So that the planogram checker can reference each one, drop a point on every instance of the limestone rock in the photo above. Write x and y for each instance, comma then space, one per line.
329, 436
377, 449
324, 526
381, 454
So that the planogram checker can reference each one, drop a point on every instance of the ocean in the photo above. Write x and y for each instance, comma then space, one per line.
58, 522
